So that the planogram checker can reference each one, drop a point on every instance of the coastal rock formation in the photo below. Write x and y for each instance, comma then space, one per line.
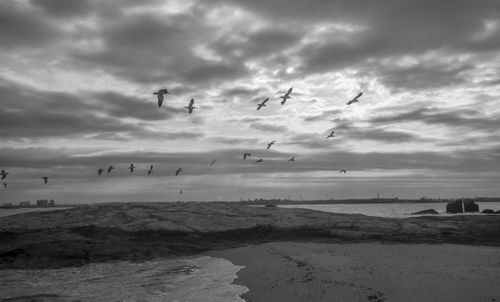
454, 207
428, 211
143, 231
470, 206
488, 211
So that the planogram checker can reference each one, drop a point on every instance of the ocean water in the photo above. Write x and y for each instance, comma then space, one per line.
391, 210
198, 279
14, 211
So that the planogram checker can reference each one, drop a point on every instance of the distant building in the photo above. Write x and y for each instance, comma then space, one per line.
52, 203
24, 203
7, 204
42, 203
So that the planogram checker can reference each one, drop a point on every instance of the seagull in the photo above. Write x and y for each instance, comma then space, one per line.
343, 171
292, 159
45, 179
355, 99
246, 155
259, 160
99, 171
178, 171
131, 168
150, 170
180, 192
4, 185
263, 104
110, 168
212, 162
190, 107
4, 174
270, 144
331, 134
286, 96
160, 93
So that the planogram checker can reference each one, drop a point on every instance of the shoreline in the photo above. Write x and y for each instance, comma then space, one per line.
298, 271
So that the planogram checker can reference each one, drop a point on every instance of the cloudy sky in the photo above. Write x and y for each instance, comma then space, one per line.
76, 83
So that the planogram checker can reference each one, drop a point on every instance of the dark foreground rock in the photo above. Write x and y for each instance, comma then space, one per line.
488, 211
470, 206
454, 207
142, 231
428, 211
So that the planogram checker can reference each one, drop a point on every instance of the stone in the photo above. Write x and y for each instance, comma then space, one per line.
470, 206
454, 207
488, 211
428, 211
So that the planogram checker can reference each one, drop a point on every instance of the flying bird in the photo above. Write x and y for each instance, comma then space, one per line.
259, 160
99, 171
178, 171
150, 170
213, 162
331, 134
286, 96
263, 104
131, 168
110, 168
246, 155
180, 192
343, 171
292, 159
190, 107
160, 93
355, 99
4, 174
270, 144
45, 179
4, 185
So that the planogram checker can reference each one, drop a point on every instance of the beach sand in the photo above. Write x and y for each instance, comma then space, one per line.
306, 271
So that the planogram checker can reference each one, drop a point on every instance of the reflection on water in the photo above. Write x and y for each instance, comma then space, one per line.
394, 210
200, 279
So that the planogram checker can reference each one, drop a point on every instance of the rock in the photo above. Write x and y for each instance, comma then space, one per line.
428, 211
470, 206
497, 212
488, 211
454, 207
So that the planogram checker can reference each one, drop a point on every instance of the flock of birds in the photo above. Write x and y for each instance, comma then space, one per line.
161, 93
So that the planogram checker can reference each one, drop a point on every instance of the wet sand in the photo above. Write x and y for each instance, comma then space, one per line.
306, 271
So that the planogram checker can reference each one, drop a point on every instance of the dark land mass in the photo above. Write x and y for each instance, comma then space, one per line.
143, 231
357, 201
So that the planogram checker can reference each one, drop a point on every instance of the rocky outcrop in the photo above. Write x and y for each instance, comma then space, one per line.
488, 211
470, 206
143, 231
424, 212
454, 207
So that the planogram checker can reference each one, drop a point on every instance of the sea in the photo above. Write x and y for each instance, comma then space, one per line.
198, 279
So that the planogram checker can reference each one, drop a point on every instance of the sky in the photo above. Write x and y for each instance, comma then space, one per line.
77, 81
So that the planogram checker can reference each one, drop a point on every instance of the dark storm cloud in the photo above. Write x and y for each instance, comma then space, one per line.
457, 118
27, 112
386, 29
63, 8
149, 47
266, 127
21, 26
423, 76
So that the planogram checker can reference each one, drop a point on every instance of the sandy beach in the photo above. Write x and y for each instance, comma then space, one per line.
298, 271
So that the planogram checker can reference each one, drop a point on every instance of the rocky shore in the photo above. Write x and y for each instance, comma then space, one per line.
142, 231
